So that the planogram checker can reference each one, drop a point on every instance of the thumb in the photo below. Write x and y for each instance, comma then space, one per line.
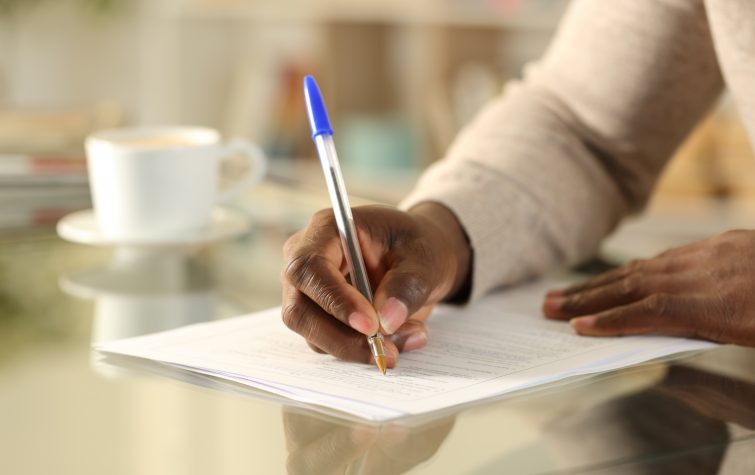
403, 291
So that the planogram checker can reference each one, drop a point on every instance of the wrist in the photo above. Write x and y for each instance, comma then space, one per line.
446, 225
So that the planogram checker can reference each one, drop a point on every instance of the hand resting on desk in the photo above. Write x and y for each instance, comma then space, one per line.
703, 290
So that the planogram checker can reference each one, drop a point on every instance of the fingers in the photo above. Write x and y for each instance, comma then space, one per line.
326, 334
411, 336
669, 262
321, 280
315, 270
619, 292
602, 279
702, 290
658, 313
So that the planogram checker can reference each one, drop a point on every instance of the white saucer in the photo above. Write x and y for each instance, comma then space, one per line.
81, 227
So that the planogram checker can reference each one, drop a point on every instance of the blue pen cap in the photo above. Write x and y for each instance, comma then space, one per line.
318, 116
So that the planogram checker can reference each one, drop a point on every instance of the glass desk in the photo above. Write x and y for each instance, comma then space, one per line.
63, 411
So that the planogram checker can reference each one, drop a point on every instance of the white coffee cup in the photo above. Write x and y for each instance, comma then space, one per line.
161, 182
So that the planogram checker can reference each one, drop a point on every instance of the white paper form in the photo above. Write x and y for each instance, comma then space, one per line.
498, 345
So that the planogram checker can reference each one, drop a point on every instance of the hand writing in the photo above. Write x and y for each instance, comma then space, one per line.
414, 259
702, 290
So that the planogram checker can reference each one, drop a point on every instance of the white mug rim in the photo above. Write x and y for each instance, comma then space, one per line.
119, 137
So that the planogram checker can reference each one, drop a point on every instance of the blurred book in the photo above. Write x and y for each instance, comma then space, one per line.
43, 174
27, 207
36, 130
39, 170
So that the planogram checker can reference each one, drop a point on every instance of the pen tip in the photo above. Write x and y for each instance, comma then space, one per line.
380, 362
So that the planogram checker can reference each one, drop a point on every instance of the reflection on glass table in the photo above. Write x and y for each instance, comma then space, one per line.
365, 449
669, 419
61, 416
682, 425
142, 290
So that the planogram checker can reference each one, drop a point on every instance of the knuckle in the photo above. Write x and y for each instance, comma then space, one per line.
657, 304
292, 315
299, 321
574, 303
630, 287
329, 298
298, 317
303, 271
299, 269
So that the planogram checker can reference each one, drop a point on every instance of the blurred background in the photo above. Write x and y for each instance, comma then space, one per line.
400, 78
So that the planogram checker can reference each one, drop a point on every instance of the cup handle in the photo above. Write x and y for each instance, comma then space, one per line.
257, 167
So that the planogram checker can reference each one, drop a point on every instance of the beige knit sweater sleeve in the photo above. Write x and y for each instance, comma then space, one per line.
549, 168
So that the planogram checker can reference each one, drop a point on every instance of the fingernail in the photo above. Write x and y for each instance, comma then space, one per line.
415, 341
393, 314
583, 323
554, 304
555, 293
362, 323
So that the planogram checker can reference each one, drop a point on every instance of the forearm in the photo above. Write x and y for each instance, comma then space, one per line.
528, 210
549, 168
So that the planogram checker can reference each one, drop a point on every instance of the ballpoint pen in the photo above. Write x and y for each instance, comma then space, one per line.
322, 135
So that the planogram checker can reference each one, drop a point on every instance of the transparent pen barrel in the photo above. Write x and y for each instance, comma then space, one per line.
342, 210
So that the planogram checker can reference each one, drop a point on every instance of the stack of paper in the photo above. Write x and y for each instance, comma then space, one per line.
498, 345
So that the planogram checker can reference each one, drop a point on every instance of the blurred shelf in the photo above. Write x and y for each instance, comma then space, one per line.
676, 221
532, 16
365, 186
